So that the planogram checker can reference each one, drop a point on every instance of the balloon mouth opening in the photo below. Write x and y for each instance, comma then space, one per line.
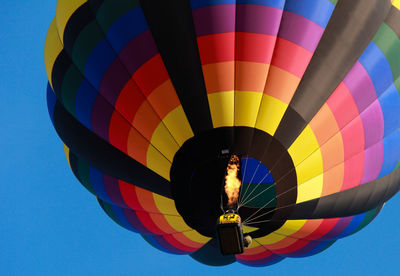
199, 175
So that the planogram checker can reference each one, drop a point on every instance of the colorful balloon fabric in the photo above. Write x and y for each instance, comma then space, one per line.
149, 96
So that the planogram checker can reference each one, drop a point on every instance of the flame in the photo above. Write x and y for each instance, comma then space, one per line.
232, 183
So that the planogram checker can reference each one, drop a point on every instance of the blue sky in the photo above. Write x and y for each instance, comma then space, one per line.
50, 225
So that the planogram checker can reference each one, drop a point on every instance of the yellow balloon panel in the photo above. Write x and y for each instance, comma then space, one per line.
65, 8
310, 189
396, 3
178, 223
164, 142
249, 229
52, 49
66, 152
158, 163
270, 114
305, 144
222, 108
195, 236
247, 104
165, 205
178, 125
310, 167
290, 227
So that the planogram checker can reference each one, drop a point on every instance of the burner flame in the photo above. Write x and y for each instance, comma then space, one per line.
232, 183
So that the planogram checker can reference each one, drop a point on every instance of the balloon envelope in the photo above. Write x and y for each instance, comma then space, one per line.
150, 98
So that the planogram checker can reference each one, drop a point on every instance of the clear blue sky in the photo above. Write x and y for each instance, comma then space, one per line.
50, 225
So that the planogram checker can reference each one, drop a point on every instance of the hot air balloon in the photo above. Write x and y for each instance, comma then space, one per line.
152, 98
